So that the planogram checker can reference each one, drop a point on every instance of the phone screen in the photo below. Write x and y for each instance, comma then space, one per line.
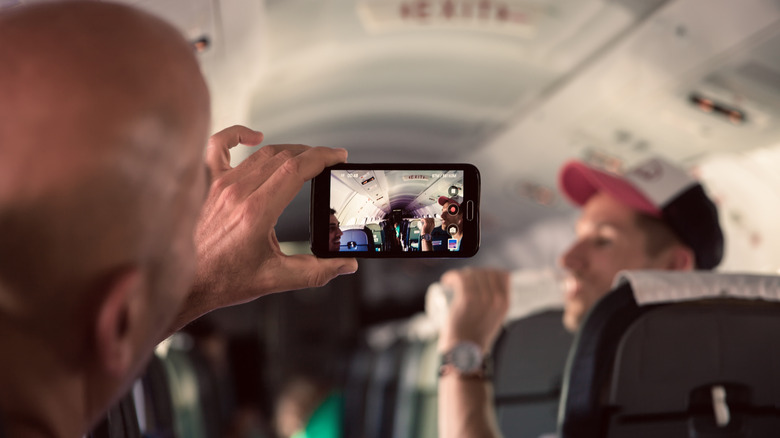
397, 212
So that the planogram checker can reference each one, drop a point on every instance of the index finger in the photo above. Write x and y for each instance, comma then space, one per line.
280, 189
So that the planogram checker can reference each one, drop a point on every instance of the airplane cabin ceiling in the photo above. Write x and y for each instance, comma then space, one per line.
514, 86
361, 75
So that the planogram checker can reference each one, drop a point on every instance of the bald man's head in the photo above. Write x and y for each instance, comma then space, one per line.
103, 118
95, 97
90, 73
104, 115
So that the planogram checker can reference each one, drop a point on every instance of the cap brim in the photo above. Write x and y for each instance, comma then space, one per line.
443, 200
580, 182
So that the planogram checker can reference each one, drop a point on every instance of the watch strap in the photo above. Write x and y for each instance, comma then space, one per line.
484, 372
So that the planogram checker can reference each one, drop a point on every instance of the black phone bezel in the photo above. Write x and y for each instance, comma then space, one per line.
320, 208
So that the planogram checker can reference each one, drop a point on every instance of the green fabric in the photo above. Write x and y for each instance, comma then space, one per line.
325, 422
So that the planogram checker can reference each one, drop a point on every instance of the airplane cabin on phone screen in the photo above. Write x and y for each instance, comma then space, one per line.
514, 87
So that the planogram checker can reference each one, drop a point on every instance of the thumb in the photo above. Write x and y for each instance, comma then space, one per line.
302, 271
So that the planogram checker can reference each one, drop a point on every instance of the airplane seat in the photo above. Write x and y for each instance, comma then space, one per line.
383, 390
213, 395
407, 397
677, 354
120, 421
413, 237
404, 232
357, 240
154, 405
146, 411
426, 410
185, 393
355, 391
370, 239
529, 360
376, 234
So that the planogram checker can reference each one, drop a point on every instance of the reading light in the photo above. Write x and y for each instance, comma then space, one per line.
201, 44
707, 105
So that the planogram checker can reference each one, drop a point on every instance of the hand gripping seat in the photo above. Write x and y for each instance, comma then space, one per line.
672, 354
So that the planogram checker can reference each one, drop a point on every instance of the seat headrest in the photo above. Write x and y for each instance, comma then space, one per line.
652, 287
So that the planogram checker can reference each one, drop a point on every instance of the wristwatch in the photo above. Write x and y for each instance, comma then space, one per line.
466, 360
426, 236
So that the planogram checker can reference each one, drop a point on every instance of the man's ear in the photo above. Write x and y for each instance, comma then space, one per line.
681, 258
113, 334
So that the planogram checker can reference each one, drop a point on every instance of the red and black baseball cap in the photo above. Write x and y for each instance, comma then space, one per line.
657, 188
443, 200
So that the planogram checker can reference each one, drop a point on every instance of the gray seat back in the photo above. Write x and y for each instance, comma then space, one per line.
699, 358
530, 356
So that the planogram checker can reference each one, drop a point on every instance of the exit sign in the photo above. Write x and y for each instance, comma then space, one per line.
504, 16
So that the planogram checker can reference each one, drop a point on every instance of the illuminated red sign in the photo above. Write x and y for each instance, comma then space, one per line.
425, 10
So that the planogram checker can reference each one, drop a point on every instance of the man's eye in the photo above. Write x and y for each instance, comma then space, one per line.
602, 241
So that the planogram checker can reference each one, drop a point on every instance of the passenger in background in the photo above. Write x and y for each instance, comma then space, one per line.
308, 407
113, 233
392, 241
334, 232
451, 223
654, 217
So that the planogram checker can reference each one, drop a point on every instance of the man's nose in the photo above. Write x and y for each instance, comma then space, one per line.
573, 258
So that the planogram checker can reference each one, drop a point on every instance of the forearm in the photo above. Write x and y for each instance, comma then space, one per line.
466, 408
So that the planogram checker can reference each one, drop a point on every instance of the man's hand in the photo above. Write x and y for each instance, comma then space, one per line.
239, 258
478, 309
427, 225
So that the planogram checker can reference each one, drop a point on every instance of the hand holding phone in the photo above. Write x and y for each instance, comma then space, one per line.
396, 210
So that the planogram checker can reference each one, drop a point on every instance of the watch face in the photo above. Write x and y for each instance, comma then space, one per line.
467, 357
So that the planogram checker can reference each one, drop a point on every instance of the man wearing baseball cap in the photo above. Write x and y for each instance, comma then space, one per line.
451, 222
655, 216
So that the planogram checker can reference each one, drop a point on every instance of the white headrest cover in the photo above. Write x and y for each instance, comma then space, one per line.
670, 286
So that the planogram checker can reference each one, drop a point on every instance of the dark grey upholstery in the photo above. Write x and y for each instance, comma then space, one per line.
529, 360
649, 371
383, 390
355, 392
120, 421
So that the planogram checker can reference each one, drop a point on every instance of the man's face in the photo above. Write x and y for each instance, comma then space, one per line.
169, 215
608, 240
180, 179
334, 233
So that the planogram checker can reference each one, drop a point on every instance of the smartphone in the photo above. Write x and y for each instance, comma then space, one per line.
394, 210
